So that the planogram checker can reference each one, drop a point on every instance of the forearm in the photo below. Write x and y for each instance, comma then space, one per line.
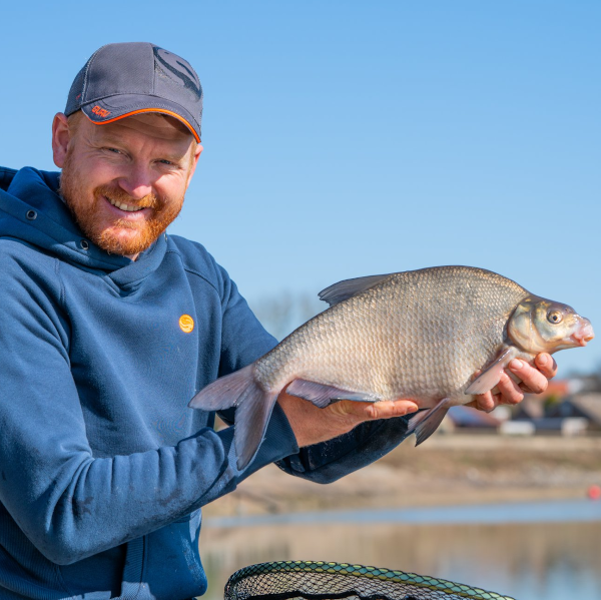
328, 461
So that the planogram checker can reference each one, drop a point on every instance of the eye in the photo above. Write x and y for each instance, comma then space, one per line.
555, 317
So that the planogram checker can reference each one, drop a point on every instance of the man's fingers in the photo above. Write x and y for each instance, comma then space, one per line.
484, 402
546, 364
373, 410
533, 380
510, 392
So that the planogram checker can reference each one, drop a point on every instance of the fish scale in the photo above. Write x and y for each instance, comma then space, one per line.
437, 336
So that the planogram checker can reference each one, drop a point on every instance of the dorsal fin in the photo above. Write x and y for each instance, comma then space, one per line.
349, 287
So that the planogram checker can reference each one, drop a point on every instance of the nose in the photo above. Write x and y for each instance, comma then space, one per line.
138, 182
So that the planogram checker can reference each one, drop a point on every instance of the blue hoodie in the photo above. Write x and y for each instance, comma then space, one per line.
103, 466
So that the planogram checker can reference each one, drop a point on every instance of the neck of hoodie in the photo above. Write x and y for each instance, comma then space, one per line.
32, 211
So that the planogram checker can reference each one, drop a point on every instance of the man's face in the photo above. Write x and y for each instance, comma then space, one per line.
125, 181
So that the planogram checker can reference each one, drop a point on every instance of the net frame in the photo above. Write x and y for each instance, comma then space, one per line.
285, 580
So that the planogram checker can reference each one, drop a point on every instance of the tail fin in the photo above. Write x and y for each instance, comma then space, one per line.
253, 409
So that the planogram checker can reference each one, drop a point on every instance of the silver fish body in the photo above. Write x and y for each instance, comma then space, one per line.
417, 334
404, 338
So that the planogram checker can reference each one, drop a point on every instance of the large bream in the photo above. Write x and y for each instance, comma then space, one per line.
420, 335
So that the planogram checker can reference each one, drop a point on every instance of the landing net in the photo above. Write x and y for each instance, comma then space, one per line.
336, 581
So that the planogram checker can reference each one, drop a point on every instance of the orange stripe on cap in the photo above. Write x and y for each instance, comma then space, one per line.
152, 110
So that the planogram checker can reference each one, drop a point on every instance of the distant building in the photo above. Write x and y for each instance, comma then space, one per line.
565, 408
562, 409
464, 417
586, 406
530, 408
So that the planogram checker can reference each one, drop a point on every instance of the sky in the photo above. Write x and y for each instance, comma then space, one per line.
345, 138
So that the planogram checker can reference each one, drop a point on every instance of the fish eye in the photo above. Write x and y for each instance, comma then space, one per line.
554, 316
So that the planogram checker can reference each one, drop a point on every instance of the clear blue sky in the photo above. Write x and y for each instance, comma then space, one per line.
346, 138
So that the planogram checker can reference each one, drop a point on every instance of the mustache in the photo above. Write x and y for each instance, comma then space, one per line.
121, 196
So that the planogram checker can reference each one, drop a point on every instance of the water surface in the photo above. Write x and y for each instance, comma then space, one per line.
533, 551
560, 511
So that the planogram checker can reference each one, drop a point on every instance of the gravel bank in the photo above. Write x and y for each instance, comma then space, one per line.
447, 469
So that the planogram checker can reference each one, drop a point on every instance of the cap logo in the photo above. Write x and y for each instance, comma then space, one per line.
186, 323
176, 68
101, 112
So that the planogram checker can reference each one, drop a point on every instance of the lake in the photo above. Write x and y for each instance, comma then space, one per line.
530, 551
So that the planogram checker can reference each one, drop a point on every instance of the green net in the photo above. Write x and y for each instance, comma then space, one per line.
323, 581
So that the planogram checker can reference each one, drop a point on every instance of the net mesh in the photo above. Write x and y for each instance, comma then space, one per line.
323, 581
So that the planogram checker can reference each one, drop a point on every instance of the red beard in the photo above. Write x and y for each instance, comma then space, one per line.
88, 214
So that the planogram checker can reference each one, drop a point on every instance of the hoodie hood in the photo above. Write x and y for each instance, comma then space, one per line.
32, 211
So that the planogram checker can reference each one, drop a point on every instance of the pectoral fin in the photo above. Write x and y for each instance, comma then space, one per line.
322, 395
491, 373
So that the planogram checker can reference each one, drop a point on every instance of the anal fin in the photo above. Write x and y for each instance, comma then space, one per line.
426, 422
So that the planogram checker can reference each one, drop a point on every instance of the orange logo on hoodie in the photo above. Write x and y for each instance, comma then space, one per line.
186, 323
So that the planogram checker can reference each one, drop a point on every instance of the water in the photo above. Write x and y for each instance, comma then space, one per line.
519, 512
535, 551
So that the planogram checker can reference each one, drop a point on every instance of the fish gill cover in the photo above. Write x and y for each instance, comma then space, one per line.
336, 581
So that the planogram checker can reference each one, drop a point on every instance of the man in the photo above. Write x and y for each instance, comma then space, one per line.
109, 327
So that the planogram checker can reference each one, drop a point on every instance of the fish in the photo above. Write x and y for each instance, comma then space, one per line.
420, 335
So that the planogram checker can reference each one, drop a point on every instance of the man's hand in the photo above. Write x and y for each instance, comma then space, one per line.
312, 425
535, 380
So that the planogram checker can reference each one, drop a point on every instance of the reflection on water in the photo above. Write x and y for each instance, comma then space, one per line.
529, 561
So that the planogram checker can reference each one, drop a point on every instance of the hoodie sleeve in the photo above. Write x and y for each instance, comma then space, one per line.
329, 461
68, 502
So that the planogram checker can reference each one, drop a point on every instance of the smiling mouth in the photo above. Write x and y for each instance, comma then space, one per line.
123, 206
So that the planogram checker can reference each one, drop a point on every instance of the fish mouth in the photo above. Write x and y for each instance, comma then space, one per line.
584, 334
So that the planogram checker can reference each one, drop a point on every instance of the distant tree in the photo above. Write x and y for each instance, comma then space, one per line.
282, 314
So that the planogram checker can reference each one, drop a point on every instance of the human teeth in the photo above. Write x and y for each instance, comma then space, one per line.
125, 207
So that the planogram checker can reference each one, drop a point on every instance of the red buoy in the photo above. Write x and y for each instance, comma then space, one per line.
594, 492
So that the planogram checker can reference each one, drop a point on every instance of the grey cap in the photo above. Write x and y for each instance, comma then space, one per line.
120, 80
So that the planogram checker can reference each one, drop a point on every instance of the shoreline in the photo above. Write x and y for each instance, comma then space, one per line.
450, 469
579, 510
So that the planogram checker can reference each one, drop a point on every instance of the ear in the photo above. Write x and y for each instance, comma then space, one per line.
60, 139
195, 158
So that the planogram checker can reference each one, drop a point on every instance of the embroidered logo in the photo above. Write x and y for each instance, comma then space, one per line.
101, 112
186, 323
177, 71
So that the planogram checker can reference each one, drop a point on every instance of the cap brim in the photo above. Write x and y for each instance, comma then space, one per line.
109, 110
